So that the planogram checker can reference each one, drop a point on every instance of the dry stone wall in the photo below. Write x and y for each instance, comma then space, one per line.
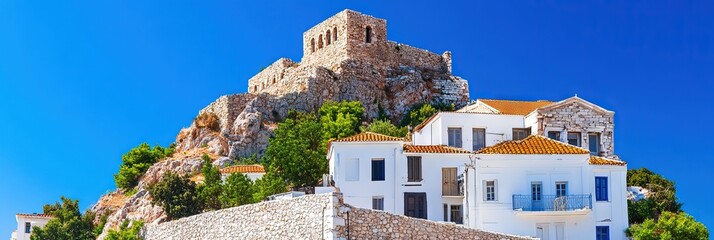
576, 117
309, 217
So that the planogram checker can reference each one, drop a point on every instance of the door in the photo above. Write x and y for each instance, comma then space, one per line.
560, 231
449, 186
542, 231
537, 196
415, 205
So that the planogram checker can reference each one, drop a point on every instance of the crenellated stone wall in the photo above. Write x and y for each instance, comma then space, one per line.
310, 217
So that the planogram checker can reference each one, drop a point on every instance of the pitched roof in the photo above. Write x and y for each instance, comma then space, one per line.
533, 144
425, 122
369, 137
513, 107
595, 160
34, 215
432, 149
255, 168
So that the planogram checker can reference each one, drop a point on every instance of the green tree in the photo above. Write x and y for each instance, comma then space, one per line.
125, 232
669, 226
137, 161
340, 119
385, 127
210, 191
417, 114
295, 152
68, 223
268, 185
176, 195
662, 195
237, 190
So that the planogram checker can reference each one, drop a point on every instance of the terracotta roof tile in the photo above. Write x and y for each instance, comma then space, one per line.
433, 149
34, 215
514, 107
368, 137
255, 168
533, 144
423, 124
595, 160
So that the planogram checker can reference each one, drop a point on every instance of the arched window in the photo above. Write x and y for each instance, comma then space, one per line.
368, 35
329, 37
334, 34
273, 79
312, 45
255, 88
262, 86
319, 42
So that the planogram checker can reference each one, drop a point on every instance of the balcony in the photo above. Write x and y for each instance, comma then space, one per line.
552, 204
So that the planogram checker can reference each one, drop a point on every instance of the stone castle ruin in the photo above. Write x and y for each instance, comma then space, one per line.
346, 57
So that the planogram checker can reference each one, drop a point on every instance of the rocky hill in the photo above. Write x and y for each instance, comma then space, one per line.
356, 63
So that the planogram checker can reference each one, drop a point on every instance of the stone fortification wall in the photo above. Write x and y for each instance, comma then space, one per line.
325, 44
309, 217
271, 76
405, 55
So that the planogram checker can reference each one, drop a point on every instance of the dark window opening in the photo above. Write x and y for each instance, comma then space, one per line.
378, 169
414, 169
368, 35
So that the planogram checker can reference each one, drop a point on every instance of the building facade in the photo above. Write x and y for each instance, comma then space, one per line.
515, 167
25, 222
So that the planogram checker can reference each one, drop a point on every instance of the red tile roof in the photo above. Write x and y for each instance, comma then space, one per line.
514, 107
425, 122
34, 215
256, 168
433, 149
533, 144
595, 160
369, 137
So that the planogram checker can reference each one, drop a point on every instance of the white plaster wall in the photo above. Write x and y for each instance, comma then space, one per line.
498, 127
21, 220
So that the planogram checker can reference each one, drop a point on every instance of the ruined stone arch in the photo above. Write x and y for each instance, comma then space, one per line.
368, 34
312, 45
334, 34
328, 37
319, 42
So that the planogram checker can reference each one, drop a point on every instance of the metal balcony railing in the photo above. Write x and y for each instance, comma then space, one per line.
551, 202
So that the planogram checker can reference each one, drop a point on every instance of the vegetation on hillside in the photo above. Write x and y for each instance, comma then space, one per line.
137, 161
340, 119
669, 226
419, 112
177, 196
125, 232
68, 223
385, 127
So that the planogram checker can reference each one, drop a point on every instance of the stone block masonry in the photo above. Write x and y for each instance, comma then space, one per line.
309, 217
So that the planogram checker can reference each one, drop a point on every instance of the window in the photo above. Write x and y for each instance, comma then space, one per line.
456, 215
312, 45
319, 42
449, 184
454, 137
479, 138
561, 189
368, 35
521, 133
574, 138
555, 135
414, 169
490, 192
378, 169
334, 34
602, 233
601, 188
28, 227
594, 143
536, 191
378, 203
329, 37
352, 170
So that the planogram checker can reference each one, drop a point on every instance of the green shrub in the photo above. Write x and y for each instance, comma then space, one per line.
68, 223
237, 190
137, 161
176, 195
210, 191
385, 127
125, 232
669, 226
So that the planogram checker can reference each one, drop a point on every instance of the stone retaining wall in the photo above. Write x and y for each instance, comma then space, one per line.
322, 216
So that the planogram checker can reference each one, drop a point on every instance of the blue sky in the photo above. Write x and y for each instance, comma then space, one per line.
81, 82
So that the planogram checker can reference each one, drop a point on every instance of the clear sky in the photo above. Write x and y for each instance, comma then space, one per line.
82, 82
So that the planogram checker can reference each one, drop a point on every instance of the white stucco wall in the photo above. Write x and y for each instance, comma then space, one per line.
21, 220
499, 127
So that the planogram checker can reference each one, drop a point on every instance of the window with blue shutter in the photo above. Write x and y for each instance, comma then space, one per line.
601, 188
378, 169
602, 233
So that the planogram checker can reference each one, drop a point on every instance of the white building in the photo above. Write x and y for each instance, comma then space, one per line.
25, 222
532, 185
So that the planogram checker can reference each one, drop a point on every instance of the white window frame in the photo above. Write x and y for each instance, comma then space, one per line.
378, 198
495, 190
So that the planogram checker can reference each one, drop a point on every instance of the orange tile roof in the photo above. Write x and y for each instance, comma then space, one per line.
34, 215
368, 137
433, 149
255, 168
423, 124
533, 144
595, 160
514, 107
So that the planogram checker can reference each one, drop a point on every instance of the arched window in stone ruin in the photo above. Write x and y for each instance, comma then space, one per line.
312, 44
282, 75
368, 34
273, 79
334, 34
319, 42
255, 88
328, 37
262, 86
